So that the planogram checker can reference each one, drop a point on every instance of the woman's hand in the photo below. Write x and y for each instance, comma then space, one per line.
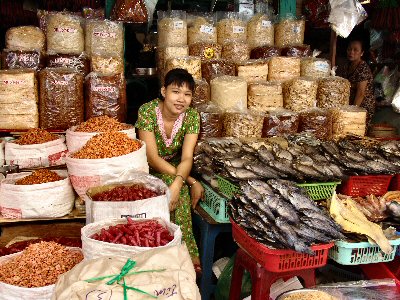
196, 193
175, 189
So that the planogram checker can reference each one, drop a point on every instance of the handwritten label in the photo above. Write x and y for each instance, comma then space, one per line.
140, 216
104, 35
206, 29
61, 82
102, 88
265, 24
238, 29
99, 295
296, 29
178, 25
26, 58
167, 292
63, 60
82, 183
322, 66
13, 81
65, 30
11, 213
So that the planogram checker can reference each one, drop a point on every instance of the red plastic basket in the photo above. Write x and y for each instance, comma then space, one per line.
277, 260
361, 186
395, 183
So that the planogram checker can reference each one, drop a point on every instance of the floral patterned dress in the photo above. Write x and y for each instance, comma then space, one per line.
362, 73
170, 149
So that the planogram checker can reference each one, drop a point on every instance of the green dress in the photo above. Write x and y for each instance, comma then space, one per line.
150, 119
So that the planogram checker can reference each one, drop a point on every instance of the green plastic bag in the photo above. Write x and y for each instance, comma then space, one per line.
224, 282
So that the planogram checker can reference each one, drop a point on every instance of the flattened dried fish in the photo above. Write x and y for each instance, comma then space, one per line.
265, 155
261, 169
240, 173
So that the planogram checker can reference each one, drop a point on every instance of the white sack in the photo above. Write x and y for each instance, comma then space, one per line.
37, 155
46, 200
146, 208
93, 248
76, 140
87, 173
176, 282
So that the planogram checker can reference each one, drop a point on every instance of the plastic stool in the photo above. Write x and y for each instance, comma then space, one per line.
261, 279
209, 230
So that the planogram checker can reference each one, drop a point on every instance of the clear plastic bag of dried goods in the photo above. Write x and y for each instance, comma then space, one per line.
260, 30
315, 67
213, 68
280, 122
236, 51
25, 38
130, 11
317, 121
61, 98
172, 28
190, 63
229, 93
264, 52
206, 50
79, 63
65, 33
168, 52
283, 68
297, 51
243, 124
201, 93
18, 99
211, 121
264, 96
289, 31
299, 93
231, 27
16, 59
201, 28
107, 65
253, 70
104, 37
345, 15
333, 91
348, 119
106, 95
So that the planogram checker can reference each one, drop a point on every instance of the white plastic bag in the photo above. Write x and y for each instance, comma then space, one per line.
396, 101
87, 173
345, 15
37, 155
12, 292
147, 208
76, 140
2, 145
93, 248
46, 200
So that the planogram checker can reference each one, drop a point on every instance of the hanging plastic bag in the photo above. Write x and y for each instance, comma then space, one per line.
131, 11
396, 101
345, 15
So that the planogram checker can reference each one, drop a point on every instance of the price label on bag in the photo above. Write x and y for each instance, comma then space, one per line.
322, 66
206, 29
296, 29
178, 25
265, 24
238, 29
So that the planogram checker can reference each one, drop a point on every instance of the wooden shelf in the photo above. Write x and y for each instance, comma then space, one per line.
74, 215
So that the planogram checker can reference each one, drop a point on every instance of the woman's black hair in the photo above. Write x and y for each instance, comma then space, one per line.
179, 77
358, 40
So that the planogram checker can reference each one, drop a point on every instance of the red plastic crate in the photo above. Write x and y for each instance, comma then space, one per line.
361, 186
395, 183
277, 260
